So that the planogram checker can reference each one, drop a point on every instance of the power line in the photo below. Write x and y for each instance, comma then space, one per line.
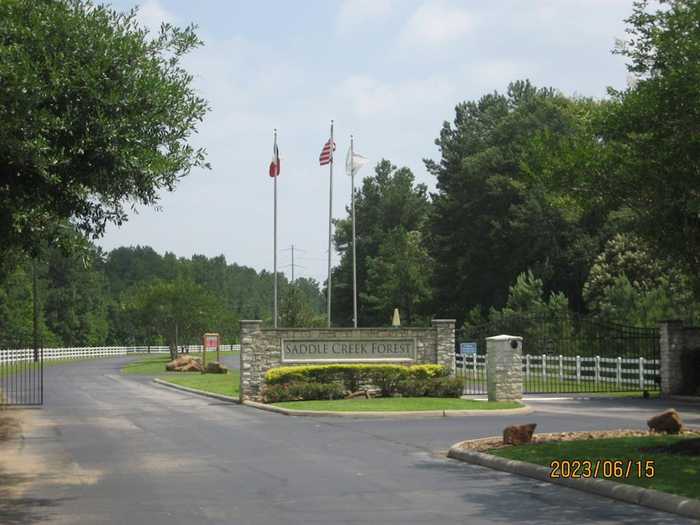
292, 248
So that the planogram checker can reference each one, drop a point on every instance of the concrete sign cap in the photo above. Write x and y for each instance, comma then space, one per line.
504, 337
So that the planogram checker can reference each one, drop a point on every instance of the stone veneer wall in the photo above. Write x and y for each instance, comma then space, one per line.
675, 340
261, 348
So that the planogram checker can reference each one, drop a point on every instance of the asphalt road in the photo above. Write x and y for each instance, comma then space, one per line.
116, 449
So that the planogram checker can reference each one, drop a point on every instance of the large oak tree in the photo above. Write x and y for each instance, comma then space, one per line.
96, 116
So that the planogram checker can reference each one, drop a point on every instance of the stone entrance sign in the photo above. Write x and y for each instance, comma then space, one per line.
266, 348
347, 350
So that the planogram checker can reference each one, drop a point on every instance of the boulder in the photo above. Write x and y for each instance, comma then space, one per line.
184, 362
179, 362
359, 393
192, 366
668, 421
518, 434
216, 368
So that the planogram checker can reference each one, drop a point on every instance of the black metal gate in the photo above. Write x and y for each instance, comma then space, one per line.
567, 353
21, 377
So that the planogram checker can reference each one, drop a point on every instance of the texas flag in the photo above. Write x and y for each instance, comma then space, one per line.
275, 163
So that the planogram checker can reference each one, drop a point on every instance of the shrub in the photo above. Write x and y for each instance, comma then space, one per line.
427, 371
445, 387
431, 387
413, 387
387, 377
352, 376
302, 391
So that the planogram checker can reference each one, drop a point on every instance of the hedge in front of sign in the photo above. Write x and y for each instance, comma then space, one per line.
296, 382
353, 375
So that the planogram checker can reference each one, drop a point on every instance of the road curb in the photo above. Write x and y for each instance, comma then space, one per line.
376, 414
204, 393
386, 414
654, 499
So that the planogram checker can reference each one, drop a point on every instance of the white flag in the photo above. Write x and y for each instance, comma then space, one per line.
353, 162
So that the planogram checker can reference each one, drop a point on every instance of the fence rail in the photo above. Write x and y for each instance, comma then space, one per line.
27, 354
540, 369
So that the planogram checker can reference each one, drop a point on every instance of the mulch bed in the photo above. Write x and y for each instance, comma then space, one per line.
481, 445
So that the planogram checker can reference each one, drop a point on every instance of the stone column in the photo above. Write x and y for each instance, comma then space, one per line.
250, 368
504, 368
671, 342
445, 343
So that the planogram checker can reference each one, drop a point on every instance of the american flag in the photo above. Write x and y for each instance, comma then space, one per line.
326, 153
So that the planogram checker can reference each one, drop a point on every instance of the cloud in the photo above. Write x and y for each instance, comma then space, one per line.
151, 14
436, 24
354, 13
371, 98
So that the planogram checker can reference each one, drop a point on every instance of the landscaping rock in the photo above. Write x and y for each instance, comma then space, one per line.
184, 363
518, 434
668, 421
359, 393
216, 368
192, 366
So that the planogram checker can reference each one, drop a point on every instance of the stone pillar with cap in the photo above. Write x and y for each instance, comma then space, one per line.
445, 343
504, 368
251, 370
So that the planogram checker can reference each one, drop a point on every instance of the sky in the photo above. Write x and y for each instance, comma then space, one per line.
389, 72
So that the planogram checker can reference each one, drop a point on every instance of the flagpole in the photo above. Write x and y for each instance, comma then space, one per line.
275, 237
330, 227
354, 253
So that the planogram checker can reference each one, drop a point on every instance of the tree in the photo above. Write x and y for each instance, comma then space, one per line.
491, 220
75, 305
526, 297
629, 285
95, 112
653, 130
387, 202
179, 310
639, 151
399, 277
17, 311
297, 309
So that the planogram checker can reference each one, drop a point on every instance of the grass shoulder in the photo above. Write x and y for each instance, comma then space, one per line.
154, 364
226, 384
397, 404
676, 467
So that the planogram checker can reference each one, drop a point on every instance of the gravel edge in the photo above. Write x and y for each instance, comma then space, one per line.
654, 499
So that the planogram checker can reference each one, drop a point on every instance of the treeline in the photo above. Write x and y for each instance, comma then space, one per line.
135, 296
545, 201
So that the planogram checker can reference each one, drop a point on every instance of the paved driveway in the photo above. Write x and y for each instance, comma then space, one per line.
113, 449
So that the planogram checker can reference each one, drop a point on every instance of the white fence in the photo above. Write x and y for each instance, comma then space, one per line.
27, 354
633, 372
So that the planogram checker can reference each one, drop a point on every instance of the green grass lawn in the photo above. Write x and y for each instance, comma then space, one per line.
386, 404
154, 364
674, 473
226, 384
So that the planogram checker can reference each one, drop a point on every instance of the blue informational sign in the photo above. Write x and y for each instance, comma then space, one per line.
467, 348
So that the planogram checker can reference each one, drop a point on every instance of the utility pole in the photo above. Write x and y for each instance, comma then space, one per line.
292, 249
